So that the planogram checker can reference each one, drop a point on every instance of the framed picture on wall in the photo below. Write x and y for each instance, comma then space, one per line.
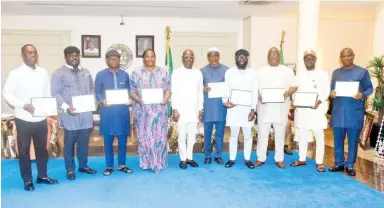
91, 46
366, 131
144, 42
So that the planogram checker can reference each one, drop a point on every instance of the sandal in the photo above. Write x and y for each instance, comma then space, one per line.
298, 163
108, 171
320, 168
125, 170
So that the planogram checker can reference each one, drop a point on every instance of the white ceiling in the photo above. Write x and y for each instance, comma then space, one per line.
228, 9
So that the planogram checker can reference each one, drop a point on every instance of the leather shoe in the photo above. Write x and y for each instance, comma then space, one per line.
229, 164
192, 163
207, 161
183, 165
280, 164
71, 175
351, 171
28, 186
47, 180
336, 168
249, 164
258, 163
219, 161
87, 170
287, 150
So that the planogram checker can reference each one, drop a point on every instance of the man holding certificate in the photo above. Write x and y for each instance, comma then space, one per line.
111, 89
311, 105
276, 84
151, 90
350, 85
243, 85
72, 86
214, 111
187, 104
24, 83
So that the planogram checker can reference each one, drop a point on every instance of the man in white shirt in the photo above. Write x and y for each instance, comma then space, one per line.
23, 83
241, 79
187, 104
274, 76
312, 119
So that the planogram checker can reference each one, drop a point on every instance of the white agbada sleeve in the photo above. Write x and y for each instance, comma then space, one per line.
227, 82
201, 91
176, 90
325, 87
255, 96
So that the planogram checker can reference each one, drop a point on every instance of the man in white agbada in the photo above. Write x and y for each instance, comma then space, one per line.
187, 104
312, 119
243, 114
274, 76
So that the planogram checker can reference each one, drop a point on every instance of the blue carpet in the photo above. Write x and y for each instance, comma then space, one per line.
207, 186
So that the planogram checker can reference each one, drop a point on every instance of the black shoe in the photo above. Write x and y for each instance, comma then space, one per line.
336, 168
229, 164
28, 186
87, 170
249, 164
183, 165
47, 180
71, 175
192, 163
351, 171
219, 161
287, 150
207, 161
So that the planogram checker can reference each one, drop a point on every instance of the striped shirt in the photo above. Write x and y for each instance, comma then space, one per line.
67, 82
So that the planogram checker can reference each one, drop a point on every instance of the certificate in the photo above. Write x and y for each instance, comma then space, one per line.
241, 97
272, 95
305, 99
84, 103
44, 106
117, 96
346, 89
218, 90
152, 96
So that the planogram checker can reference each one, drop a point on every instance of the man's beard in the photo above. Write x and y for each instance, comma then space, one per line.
241, 66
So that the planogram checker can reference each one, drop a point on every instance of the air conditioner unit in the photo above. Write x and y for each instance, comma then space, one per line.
254, 2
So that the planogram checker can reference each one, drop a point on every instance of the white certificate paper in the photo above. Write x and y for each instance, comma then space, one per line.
272, 95
115, 97
241, 97
346, 89
218, 90
44, 106
84, 103
152, 96
305, 99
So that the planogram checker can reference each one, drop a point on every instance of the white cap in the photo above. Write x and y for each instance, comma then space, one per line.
213, 50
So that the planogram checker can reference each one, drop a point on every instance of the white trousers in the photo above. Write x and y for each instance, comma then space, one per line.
303, 144
233, 140
262, 143
186, 140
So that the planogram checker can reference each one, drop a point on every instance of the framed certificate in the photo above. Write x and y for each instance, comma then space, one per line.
84, 103
218, 90
305, 99
346, 89
44, 106
241, 97
152, 96
272, 95
117, 96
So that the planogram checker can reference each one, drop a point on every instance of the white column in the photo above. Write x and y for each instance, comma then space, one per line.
308, 29
378, 37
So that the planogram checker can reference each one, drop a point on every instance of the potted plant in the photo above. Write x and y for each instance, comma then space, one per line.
376, 67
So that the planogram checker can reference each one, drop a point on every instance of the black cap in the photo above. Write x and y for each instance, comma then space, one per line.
242, 52
71, 49
112, 53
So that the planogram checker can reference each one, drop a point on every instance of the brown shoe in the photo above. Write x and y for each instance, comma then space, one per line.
258, 163
280, 164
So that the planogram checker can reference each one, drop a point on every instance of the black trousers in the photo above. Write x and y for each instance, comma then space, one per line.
80, 138
38, 131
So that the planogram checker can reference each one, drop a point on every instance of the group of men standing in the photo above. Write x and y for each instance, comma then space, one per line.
191, 103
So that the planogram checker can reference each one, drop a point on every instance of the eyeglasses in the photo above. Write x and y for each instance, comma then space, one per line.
188, 57
241, 57
273, 54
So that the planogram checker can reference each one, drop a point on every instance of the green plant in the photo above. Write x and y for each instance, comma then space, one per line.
376, 67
